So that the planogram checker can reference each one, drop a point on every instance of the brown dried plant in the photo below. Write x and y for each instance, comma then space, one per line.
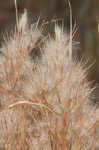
44, 103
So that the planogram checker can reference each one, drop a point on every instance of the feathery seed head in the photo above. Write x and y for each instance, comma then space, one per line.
46, 103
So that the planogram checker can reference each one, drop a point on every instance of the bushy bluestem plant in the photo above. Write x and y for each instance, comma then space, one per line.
44, 103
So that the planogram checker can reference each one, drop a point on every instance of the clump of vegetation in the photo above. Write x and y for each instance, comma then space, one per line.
45, 103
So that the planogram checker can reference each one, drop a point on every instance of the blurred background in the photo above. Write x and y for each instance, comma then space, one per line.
84, 12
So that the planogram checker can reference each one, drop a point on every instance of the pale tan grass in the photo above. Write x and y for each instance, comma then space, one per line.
45, 105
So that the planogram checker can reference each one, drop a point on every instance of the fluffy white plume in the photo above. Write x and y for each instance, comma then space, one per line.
44, 104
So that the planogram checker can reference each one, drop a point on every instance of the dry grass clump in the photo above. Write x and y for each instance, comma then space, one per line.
44, 103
